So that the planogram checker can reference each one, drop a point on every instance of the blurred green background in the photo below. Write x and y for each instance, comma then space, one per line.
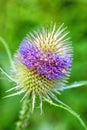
17, 18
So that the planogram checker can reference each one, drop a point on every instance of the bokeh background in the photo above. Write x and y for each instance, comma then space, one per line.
17, 18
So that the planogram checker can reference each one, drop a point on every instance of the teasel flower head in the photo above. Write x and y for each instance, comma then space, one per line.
42, 64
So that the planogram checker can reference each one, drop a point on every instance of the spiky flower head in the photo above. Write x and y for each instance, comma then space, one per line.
43, 62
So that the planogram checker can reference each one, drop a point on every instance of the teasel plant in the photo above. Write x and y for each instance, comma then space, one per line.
40, 68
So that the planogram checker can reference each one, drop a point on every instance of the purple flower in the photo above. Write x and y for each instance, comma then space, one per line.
43, 62
49, 64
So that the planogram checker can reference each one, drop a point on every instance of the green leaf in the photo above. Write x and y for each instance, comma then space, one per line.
75, 85
7, 49
69, 110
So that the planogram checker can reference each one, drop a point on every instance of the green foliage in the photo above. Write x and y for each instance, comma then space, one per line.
17, 18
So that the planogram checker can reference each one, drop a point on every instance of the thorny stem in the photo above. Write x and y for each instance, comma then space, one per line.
7, 49
69, 110
24, 116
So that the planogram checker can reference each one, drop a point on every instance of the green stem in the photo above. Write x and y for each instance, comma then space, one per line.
69, 110
24, 116
7, 49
